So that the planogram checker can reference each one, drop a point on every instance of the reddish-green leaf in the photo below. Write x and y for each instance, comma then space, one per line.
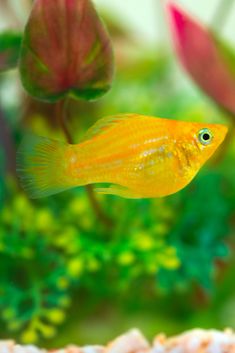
9, 50
209, 61
66, 51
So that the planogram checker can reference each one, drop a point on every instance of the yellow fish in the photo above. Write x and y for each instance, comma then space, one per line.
141, 156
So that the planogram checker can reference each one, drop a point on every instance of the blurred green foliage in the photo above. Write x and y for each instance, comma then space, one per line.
56, 247
59, 261
2, 175
200, 230
9, 50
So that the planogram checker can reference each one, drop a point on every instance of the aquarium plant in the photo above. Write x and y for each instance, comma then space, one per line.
74, 251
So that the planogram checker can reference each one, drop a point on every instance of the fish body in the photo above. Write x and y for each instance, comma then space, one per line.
140, 156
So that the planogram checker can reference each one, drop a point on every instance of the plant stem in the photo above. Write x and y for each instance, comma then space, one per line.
61, 114
222, 11
6, 142
96, 207
61, 108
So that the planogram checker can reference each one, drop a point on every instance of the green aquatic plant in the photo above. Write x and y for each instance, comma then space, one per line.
2, 175
199, 232
34, 281
49, 253
9, 50
45, 257
55, 250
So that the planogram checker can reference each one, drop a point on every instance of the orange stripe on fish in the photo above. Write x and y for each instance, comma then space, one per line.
140, 156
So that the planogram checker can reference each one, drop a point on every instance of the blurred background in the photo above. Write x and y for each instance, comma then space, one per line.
67, 274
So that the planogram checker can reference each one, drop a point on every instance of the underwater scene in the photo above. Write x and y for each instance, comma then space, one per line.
117, 172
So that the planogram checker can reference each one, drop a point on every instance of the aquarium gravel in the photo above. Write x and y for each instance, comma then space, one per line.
195, 341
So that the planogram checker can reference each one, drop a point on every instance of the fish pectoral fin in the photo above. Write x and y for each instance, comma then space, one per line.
119, 190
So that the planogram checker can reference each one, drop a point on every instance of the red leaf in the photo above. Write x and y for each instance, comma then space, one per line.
205, 57
66, 50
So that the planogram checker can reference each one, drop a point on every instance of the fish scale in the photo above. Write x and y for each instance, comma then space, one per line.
140, 156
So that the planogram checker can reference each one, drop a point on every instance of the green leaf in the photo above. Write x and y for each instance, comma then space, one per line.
66, 51
10, 43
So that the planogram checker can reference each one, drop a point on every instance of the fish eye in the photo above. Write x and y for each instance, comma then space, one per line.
205, 136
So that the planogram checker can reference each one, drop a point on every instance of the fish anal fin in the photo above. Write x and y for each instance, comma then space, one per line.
106, 123
119, 190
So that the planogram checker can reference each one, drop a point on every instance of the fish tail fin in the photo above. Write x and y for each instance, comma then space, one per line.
42, 166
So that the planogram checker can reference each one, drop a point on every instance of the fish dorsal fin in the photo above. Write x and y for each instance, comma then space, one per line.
106, 123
